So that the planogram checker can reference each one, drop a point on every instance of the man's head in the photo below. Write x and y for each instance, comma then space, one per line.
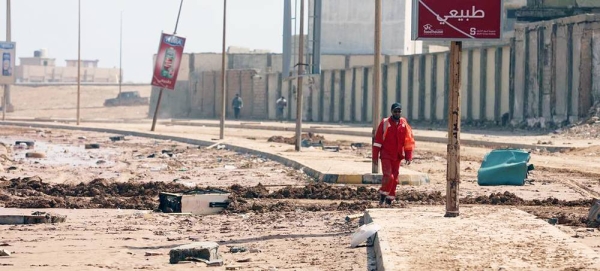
396, 111
237, 95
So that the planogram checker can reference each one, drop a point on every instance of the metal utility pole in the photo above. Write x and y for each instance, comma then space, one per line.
160, 93
223, 101
79, 62
453, 167
6, 99
376, 79
121, 54
300, 75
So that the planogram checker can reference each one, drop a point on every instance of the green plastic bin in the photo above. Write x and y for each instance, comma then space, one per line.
504, 167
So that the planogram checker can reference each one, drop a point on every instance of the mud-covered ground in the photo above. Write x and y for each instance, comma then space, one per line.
286, 219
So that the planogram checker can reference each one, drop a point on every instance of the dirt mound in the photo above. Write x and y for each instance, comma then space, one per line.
258, 191
508, 198
32, 192
97, 187
434, 197
242, 206
292, 140
505, 198
316, 190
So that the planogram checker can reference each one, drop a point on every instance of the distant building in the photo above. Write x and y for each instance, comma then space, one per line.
42, 69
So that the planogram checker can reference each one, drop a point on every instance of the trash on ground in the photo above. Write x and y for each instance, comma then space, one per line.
353, 217
504, 167
594, 215
237, 249
197, 202
25, 143
116, 138
331, 148
35, 155
363, 233
152, 254
92, 146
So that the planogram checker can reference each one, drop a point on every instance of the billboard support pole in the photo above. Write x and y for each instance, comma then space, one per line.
161, 89
156, 110
453, 166
300, 77
6, 99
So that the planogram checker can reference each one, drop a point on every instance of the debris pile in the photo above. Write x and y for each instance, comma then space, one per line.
588, 128
311, 137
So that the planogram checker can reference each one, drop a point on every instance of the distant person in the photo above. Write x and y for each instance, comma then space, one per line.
237, 104
394, 142
281, 104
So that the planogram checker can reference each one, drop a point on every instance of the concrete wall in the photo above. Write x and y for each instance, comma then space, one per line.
548, 73
556, 66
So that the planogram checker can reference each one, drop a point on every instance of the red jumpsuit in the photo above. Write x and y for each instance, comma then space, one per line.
393, 142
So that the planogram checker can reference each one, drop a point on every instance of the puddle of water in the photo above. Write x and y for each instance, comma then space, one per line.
59, 154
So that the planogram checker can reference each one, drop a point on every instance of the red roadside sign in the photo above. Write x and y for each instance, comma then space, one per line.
457, 19
168, 60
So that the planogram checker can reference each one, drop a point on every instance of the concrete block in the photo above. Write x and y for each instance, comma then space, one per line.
204, 251
31, 219
406, 177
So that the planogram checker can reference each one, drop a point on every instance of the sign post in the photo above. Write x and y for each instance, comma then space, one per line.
456, 21
7, 76
166, 66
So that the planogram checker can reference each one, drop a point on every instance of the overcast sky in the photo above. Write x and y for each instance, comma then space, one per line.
52, 24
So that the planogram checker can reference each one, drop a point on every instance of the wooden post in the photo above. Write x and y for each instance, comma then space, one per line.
453, 167
376, 80
156, 109
300, 74
223, 55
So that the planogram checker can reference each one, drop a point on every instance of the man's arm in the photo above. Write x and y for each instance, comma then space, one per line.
377, 144
409, 143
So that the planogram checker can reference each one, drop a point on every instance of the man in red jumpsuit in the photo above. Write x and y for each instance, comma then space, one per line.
394, 141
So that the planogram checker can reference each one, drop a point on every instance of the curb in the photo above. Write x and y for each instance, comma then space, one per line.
380, 246
327, 178
333, 130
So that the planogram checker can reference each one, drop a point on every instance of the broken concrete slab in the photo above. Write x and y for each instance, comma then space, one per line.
35, 218
207, 251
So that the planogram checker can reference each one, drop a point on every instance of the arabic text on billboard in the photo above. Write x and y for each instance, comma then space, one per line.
457, 19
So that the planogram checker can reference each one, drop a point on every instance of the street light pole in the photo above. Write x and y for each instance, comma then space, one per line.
121, 54
300, 77
376, 80
78, 62
223, 104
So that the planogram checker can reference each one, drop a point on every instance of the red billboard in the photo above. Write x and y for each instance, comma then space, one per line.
456, 20
168, 60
